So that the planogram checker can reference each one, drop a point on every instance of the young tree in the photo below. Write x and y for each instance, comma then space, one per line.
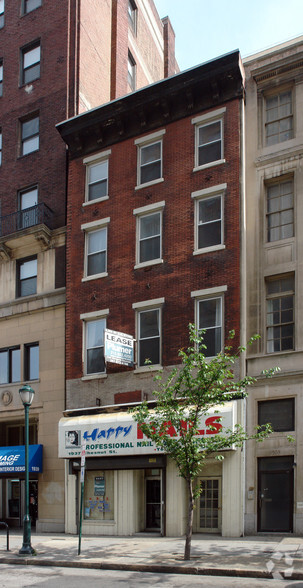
192, 389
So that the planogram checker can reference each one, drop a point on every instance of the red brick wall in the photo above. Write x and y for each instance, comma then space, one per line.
181, 272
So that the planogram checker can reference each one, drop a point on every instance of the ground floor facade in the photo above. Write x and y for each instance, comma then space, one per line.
130, 487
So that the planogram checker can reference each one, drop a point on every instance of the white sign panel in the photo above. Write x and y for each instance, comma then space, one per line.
118, 434
118, 348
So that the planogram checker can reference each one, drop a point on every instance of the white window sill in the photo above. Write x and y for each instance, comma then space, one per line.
148, 368
152, 183
148, 263
211, 164
209, 249
94, 277
95, 201
94, 377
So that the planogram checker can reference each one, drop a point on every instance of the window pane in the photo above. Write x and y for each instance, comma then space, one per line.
150, 225
149, 350
209, 209
33, 362
149, 324
96, 264
31, 57
28, 269
31, 5
15, 367
279, 413
30, 145
209, 313
97, 241
29, 199
209, 153
30, 127
209, 235
150, 153
150, 249
3, 367
28, 287
95, 333
95, 361
98, 172
150, 172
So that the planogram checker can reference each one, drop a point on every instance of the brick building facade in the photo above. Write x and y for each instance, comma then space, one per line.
154, 242
58, 58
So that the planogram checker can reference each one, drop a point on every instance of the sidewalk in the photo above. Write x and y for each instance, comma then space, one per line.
267, 556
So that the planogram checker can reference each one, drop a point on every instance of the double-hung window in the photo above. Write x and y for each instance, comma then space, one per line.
280, 210
132, 15
28, 212
30, 69
209, 144
29, 135
149, 317
31, 361
279, 117
131, 72
149, 234
93, 335
97, 177
1, 77
280, 314
209, 218
29, 5
95, 248
209, 318
150, 159
10, 365
27, 277
1, 14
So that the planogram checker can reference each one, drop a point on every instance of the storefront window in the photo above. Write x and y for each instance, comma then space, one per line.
99, 496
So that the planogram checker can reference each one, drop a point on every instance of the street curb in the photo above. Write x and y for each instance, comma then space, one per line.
151, 568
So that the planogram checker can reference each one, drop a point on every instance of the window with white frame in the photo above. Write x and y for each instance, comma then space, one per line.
1, 14
209, 218
209, 318
279, 117
149, 317
95, 248
149, 234
94, 325
29, 5
97, 177
28, 211
280, 294
280, 210
209, 138
30, 69
29, 135
131, 72
150, 158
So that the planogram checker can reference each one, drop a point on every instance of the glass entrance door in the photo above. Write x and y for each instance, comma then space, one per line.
209, 505
15, 501
153, 503
275, 488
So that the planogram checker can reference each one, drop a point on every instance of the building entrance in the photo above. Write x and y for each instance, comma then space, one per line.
275, 492
209, 509
15, 501
153, 504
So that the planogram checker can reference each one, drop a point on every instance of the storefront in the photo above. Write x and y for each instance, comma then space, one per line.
12, 482
131, 487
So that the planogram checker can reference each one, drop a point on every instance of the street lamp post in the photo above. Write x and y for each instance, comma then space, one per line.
26, 395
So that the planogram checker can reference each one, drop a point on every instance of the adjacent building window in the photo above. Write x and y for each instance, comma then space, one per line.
10, 365
149, 234
131, 72
94, 346
97, 177
1, 78
29, 135
149, 316
31, 361
132, 16
99, 495
30, 69
209, 311
280, 314
150, 158
209, 207
278, 118
28, 200
1, 14
95, 248
29, 5
280, 414
27, 277
280, 210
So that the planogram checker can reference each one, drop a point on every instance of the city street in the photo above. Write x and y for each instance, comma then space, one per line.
51, 577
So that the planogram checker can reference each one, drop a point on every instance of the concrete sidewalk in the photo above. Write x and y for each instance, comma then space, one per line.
268, 556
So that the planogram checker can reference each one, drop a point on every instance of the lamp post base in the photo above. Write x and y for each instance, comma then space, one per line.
26, 548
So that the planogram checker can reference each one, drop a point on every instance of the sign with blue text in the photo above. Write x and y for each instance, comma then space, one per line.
12, 459
118, 348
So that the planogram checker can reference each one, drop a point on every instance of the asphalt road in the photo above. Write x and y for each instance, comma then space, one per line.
53, 577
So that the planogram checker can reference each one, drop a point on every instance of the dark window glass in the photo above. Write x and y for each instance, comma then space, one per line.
27, 277
209, 143
30, 5
149, 336
150, 237
279, 413
210, 320
10, 365
31, 367
150, 164
95, 346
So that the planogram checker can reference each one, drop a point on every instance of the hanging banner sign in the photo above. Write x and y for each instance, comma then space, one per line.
118, 348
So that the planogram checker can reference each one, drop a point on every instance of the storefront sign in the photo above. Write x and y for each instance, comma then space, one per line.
118, 348
12, 459
119, 434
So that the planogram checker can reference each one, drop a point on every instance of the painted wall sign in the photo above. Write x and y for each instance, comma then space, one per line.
119, 434
118, 347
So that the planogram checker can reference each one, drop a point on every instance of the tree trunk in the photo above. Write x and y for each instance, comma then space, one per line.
189, 528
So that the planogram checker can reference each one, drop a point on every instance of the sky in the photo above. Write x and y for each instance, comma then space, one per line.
206, 29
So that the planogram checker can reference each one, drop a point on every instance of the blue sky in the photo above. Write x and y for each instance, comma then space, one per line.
206, 29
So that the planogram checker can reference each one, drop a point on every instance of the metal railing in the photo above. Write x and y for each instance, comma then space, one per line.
28, 217
7, 534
